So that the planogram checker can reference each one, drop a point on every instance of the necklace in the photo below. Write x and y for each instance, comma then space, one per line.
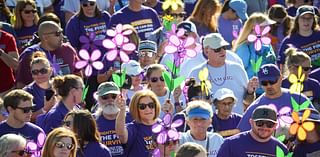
224, 78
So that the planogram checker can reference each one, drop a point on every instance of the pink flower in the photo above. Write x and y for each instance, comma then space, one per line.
284, 115
260, 37
89, 62
35, 148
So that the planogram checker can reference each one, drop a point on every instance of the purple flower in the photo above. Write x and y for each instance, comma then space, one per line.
90, 42
89, 62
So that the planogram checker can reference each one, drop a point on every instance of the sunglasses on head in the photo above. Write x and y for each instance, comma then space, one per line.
107, 96
155, 79
25, 109
66, 123
265, 83
29, 11
60, 144
21, 152
41, 71
219, 49
143, 106
88, 4
268, 124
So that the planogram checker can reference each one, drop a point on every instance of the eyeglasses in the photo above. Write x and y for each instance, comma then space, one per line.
143, 106
219, 49
41, 71
261, 123
66, 123
155, 79
175, 15
143, 54
29, 11
265, 83
21, 152
60, 144
25, 109
198, 97
56, 33
88, 4
107, 96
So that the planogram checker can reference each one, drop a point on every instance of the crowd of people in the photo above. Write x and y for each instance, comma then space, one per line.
159, 78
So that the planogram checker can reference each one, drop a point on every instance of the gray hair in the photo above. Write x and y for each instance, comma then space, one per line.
9, 142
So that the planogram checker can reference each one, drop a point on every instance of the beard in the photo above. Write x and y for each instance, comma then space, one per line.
110, 109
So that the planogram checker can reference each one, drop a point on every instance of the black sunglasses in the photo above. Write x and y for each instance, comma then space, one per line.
25, 109
219, 49
88, 4
21, 152
60, 144
66, 123
261, 123
175, 15
107, 96
41, 71
304, 68
155, 79
29, 11
56, 33
199, 97
265, 83
143, 106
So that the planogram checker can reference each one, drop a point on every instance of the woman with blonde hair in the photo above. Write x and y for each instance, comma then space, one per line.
205, 16
26, 22
247, 51
137, 136
61, 142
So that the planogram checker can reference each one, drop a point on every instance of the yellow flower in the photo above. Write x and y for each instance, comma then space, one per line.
301, 127
205, 83
297, 81
173, 3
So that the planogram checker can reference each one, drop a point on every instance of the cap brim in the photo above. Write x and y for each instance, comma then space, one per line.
268, 79
307, 12
264, 119
228, 96
109, 92
200, 115
242, 16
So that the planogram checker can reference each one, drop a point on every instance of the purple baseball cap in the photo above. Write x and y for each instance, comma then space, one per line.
269, 72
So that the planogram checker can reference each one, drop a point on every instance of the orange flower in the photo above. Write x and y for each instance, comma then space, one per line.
301, 127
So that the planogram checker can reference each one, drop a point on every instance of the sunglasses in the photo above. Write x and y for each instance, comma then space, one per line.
175, 15
155, 79
108, 96
265, 83
41, 71
198, 97
88, 4
143, 106
21, 152
29, 11
56, 33
143, 54
66, 123
261, 123
60, 144
26, 109
304, 68
171, 142
219, 49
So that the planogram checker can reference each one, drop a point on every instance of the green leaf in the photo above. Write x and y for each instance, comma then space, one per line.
289, 154
253, 65
305, 104
177, 71
123, 78
167, 79
178, 81
172, 154
294, 104
258, 64
281, 138
116, 80
279, 152
170, 65
84, 93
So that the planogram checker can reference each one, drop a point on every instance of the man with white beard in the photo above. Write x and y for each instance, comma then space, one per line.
106, 117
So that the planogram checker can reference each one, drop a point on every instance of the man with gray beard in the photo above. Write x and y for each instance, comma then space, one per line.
106, 114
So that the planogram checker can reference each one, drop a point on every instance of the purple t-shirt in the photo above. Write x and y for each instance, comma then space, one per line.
139, 140
292, 11
95, 149
307, 150
309, 45
158, 8
244, 145
315, 74
24, 35
144, 21
226, 127
38, 94
227, 27
283, 100
311, 87
29, 131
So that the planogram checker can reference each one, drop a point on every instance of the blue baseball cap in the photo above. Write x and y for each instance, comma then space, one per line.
269, 72
199, 112
86, 1
240, 7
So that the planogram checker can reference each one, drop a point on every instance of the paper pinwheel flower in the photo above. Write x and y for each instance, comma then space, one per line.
89, 43
35, 148
260, 37
280, 153
297, 81
205, 83
301, 127
255, 65
168, 21
297, 106
283, 115
89, 62
173, 3
119, 44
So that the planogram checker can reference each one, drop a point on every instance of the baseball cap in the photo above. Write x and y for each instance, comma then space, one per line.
214, 41
188, 26
148, 45
86, 1
223, 93
132, 67
198, 112
240, 7
305, 9
264, 112
269, 72
107, 88
313, 117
